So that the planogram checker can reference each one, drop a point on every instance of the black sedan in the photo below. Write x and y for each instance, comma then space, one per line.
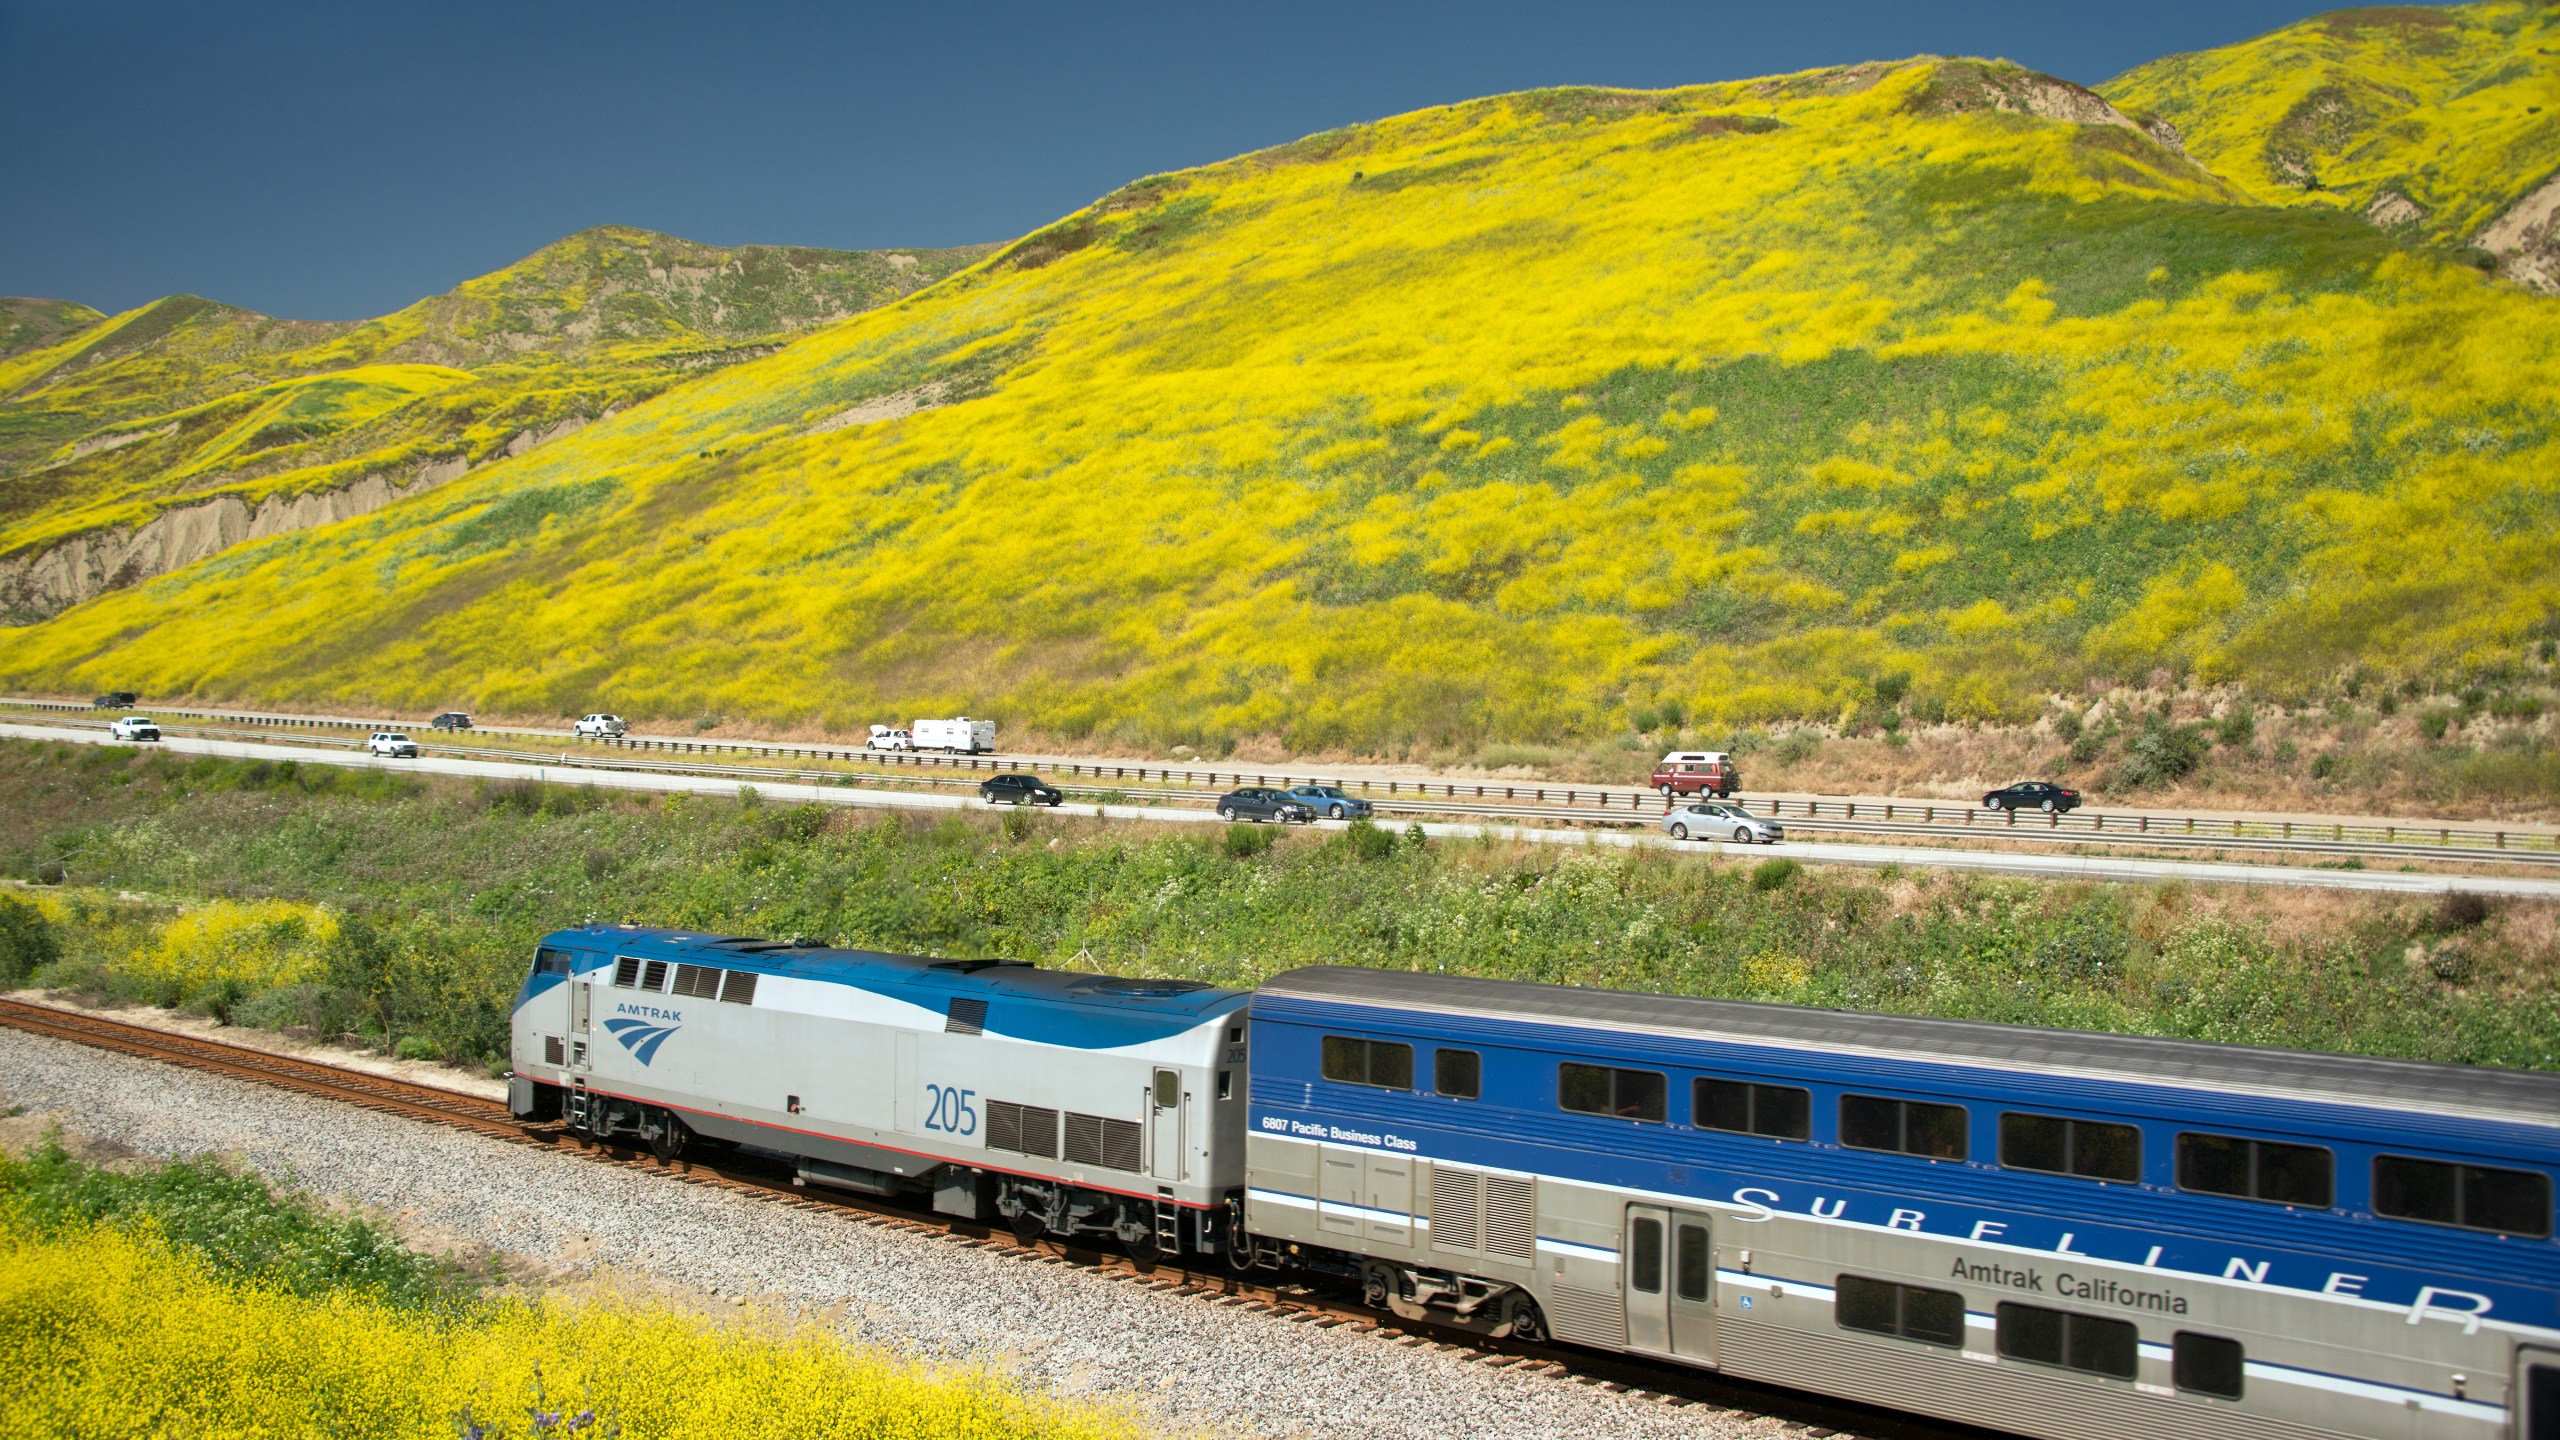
1256, 803
451, 720
2034, 795
114, 700
1018, 790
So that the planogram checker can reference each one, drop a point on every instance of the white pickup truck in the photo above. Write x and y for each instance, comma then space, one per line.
963, 735
889, 737
600, 727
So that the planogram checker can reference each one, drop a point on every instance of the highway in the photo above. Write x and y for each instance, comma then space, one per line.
2084, 867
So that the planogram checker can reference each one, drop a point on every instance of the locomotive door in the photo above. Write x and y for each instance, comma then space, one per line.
2537, 1394
581, 1002
1670, 1289
1166, 1159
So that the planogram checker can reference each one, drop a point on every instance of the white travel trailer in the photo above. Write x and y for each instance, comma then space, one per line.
962, 735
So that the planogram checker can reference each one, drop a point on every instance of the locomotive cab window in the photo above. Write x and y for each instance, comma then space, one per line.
1355, 1061
2474, 1197
1458, 1074
1781, 1112
552, 962
1907, 1127
2090, 1149
1601, 1090
2256, 1170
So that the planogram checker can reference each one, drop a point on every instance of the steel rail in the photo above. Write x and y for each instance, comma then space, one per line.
1664, 1384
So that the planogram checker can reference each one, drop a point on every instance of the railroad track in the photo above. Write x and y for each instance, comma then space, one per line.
743, 1175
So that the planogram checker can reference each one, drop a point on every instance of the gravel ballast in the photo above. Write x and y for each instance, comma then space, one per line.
1187, 1363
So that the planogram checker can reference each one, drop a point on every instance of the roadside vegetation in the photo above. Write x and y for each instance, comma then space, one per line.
191, 1299
401, 913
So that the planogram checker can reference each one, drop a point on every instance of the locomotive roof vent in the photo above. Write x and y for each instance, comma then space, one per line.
972, 967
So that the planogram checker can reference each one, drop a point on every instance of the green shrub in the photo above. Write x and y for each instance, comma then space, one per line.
1798, 747
2066, 726
1769, 875
2238, 726
2163, 754
27, 939
1244, 841
1366, 841
2434, 723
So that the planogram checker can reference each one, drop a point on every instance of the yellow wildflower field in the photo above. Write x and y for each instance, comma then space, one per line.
1499, 421
110, 1332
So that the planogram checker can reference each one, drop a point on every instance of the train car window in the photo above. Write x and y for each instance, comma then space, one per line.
2074, 1342
2256, 1170
2206, 1364
700, 981
1689, 1262
1932, 1317
1644, 1255
1908, 1127
2475, 1197
2090, 1149
739, 988
1226, 1084
1781, 1112
1355, 1061
1457, 1073
553, 962
1601, 1090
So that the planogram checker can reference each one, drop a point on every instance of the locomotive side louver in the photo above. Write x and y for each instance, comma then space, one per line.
1455, 1194
1022, 1129
1511, 1216
1110, 1144
965, 1017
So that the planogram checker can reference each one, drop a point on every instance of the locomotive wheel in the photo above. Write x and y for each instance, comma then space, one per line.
667, 1137
1527, 1325
1028, 1227
1376, 1284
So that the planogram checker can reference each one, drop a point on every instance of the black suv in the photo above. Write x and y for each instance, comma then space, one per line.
2033, 795
114, 700
450, 720
1018, 790
1256, 803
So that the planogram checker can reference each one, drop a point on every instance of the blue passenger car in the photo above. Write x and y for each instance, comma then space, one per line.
2055, 1233
1060, 1103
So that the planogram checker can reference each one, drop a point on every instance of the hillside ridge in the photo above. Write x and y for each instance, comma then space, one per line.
1921, 389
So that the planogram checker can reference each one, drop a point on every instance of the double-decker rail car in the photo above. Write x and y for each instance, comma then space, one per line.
1063, 1104
2069, 1235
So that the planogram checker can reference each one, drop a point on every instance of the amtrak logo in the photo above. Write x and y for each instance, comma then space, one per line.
641, 1037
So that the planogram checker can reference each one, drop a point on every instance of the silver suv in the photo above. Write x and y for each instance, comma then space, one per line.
600, 727
1721, 819
393, 744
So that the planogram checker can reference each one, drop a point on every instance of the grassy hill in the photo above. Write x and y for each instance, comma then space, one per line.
2435, 121
1514, 419
117, 419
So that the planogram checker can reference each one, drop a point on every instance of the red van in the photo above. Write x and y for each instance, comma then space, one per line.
1694, 772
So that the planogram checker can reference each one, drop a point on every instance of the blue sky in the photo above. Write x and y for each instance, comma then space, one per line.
341, 160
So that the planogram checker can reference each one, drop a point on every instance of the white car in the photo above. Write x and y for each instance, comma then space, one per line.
134, 727
600, 727
889, 737
393, 744
1712, 819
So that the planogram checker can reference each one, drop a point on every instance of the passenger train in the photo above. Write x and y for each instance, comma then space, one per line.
2061, 1234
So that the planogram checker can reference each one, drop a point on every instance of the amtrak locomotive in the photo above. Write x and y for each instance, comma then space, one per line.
2055, 1233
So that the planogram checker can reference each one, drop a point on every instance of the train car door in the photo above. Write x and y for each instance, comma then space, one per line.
2537, 1394
907, 1095
1166, 1161
1669, 1275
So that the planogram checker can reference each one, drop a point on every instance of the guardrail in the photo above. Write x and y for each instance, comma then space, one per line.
1596, 803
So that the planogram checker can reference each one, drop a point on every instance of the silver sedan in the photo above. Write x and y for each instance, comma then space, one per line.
1719, 820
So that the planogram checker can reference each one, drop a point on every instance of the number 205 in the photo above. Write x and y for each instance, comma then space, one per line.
951, 1111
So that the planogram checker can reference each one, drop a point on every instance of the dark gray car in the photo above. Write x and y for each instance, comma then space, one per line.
1256, 803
